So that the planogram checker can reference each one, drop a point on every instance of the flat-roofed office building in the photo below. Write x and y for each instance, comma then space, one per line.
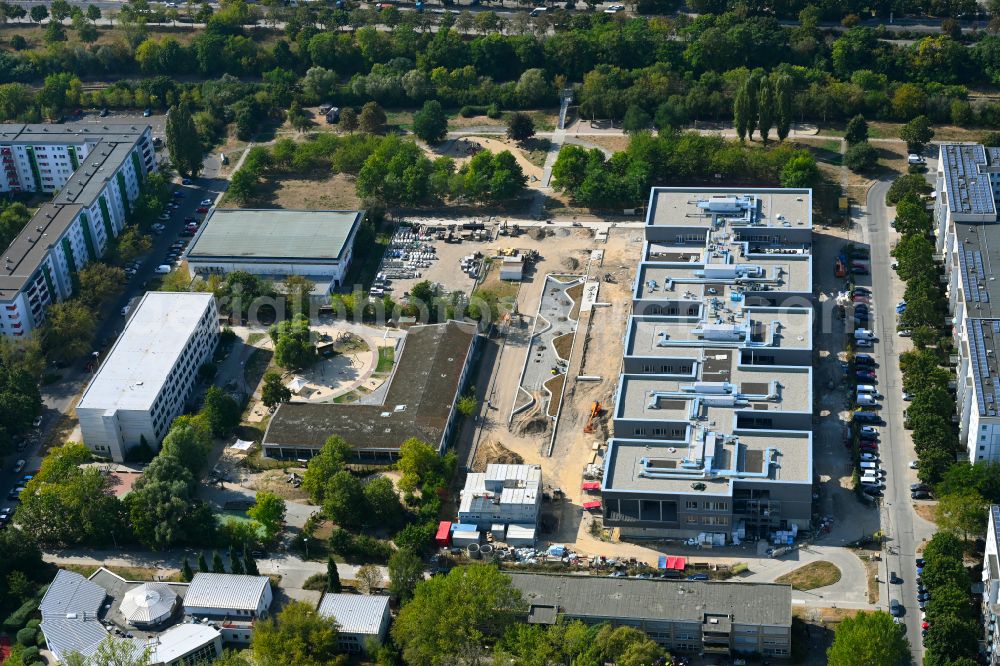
149, 373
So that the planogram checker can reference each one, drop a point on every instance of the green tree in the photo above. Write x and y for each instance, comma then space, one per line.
765, 109
298, 118
183, 141
54, 32
372, 119
369, 579
189, 441
430, 123
382, 503
636, 120
249, 564
870, 639
38, 13
800, 171
268, 510
221, 410
449, 615
68, 331
520, 127
857, 130
298, 635
274, 391
132, 243
917, 133
93, 12
405, 571
951, 638
344, 500
323, 466
217, 564
861, 157
243, 185
59, 9
962, 512
908, 184
782, 104
333, 576
293, 346
418, 460
163, 507
742, 109
186, 572
349, 121
202, 563
235, 563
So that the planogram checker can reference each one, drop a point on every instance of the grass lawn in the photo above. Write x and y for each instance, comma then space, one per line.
386, 357
224, 517
811, 576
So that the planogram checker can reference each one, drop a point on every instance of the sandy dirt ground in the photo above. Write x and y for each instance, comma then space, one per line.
462, 150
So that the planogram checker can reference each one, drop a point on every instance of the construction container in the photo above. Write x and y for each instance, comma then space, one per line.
520, 535
443, 537
499, 531
464, 539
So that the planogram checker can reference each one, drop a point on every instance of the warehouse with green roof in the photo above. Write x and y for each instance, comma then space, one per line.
316, 244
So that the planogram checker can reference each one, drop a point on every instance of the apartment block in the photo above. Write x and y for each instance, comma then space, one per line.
94, 173
968, 240
149, 373
713, 412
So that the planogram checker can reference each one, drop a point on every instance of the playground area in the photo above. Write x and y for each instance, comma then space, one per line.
352, 361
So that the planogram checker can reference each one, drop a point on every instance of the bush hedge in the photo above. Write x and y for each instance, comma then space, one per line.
26, 636
16, 620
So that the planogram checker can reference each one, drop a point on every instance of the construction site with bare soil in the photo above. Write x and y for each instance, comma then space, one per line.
558, 371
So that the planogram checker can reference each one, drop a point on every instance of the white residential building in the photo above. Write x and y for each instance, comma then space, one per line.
991, 589
360, 618
968, 238
228, 596
95, 173
149, 373
508, 494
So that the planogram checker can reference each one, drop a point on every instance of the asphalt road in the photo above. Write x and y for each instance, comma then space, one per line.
921, 24
898, 516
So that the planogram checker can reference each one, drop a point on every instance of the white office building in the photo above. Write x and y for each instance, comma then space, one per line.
360, 618
502, 494
991, 590
149, 373
95, 173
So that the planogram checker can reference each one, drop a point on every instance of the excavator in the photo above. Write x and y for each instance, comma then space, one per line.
595, 411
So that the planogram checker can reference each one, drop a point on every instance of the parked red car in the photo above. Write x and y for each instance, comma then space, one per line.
202, 209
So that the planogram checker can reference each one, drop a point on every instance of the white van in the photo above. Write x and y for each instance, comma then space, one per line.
867, 388
163, 269
868, 464
913, 158
866, 400
538, 11
863, 334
